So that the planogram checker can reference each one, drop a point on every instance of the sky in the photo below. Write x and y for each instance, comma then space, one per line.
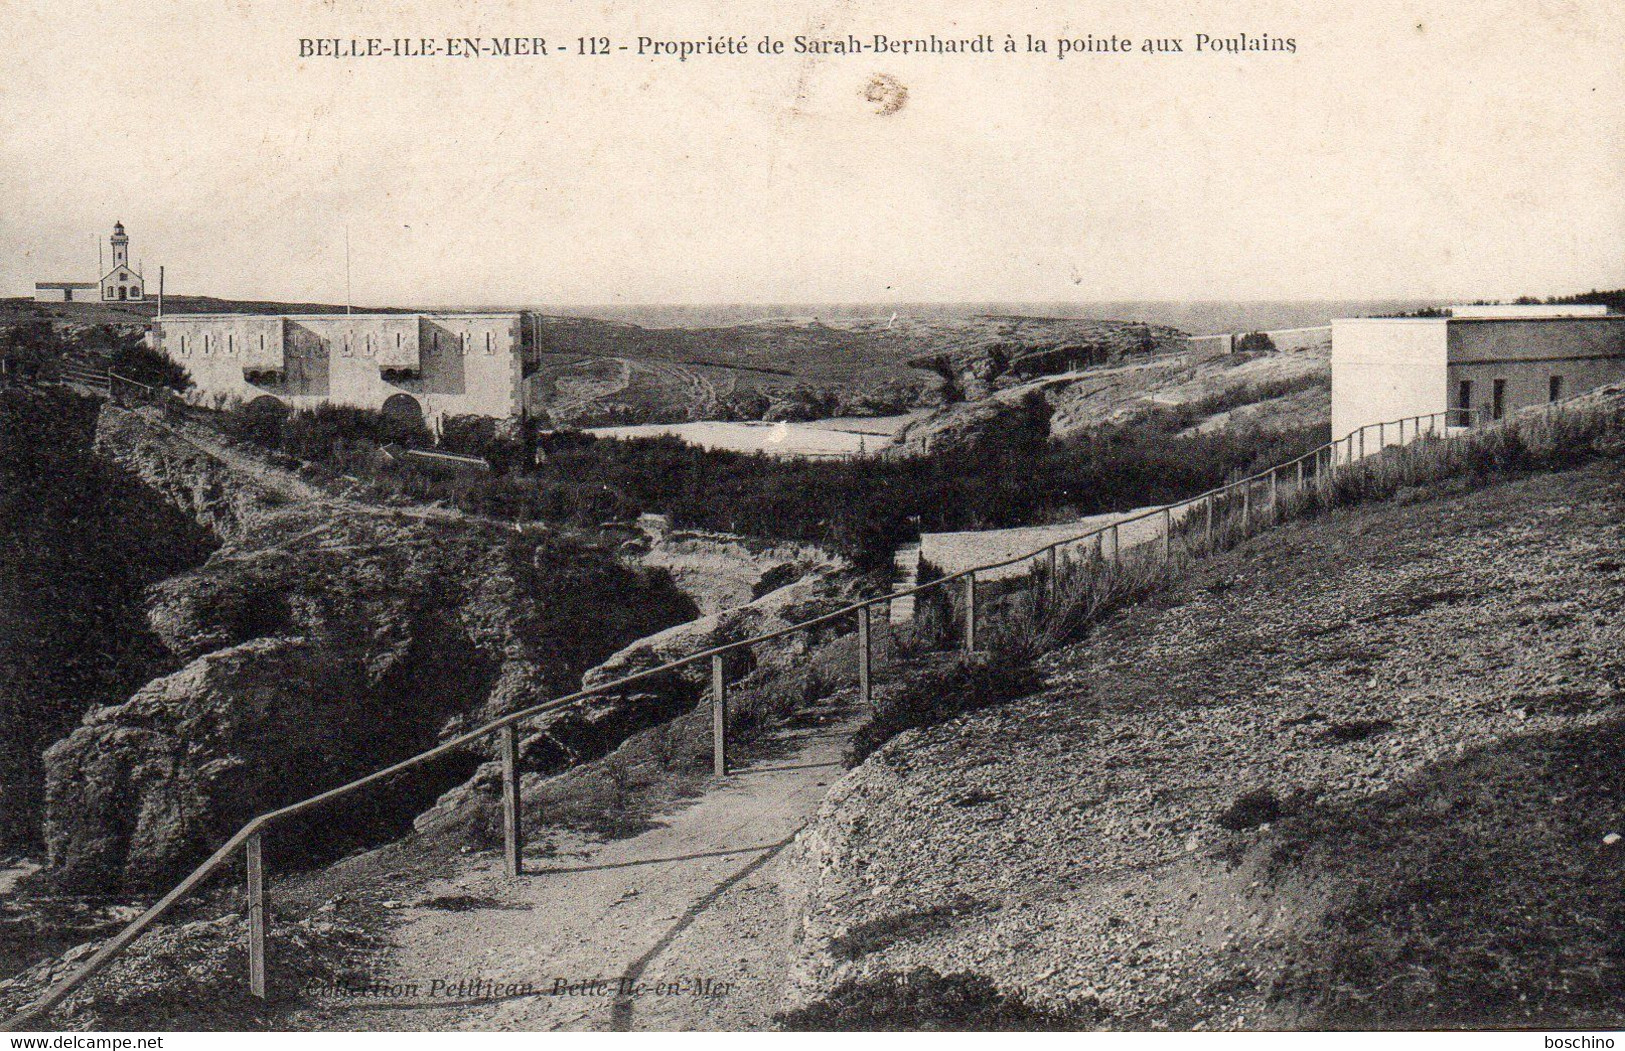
1407, 148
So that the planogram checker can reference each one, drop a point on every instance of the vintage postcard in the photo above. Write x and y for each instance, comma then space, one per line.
823, 515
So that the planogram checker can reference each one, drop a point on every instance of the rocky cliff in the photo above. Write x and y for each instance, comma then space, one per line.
322, 640
83, 542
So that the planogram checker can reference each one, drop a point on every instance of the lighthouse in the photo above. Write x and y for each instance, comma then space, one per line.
120, 283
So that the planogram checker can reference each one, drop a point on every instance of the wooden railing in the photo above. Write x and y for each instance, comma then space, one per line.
1249, 502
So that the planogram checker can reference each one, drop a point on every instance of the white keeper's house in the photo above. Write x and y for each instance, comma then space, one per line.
120, 284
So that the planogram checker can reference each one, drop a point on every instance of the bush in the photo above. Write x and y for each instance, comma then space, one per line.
134, 360
1255, 343
970, 683
499, 442
922, 999
256, 423
317, 434
27, 346
1258, 807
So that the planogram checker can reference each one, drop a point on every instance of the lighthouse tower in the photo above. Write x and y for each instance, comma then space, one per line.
120, 283
121, 245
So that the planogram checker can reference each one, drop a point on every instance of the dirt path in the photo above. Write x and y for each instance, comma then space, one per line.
680, 927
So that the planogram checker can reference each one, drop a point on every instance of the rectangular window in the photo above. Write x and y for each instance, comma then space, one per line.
1554, 389
231, 343
262, 341
489, 347
1498, 402
1464, 402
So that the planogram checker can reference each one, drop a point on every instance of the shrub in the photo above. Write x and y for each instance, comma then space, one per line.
1255, 343
922, 999
139, 362
256, 423
968, 684
1258, 807
27, 346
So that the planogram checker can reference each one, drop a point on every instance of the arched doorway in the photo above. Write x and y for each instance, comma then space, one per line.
404, 418
403, 407
266, 405
264, 416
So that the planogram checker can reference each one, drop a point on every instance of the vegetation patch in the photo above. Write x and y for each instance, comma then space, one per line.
1483, 891
937, 694
922, 999
862, 508
1352, 730
871, 935
1250, 810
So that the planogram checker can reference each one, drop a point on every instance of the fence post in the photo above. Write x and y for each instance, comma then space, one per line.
1362, 441
1246, 506
1167, 533
1207, 530
719, 717
970, 613
254, 852
865, 655
513, 862
1382, 436
1117, 545
1300, 474
1275, 515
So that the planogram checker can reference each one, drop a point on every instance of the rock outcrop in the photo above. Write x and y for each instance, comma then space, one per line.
1028, 348
595, 725
722, 571
83, 542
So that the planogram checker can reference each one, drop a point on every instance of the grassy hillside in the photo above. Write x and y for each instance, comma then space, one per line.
1363, 771
598, 372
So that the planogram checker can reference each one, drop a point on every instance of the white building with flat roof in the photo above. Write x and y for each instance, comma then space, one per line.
1483, 367
423, 366
1527, 310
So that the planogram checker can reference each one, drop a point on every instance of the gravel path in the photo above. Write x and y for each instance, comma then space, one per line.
681, 927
